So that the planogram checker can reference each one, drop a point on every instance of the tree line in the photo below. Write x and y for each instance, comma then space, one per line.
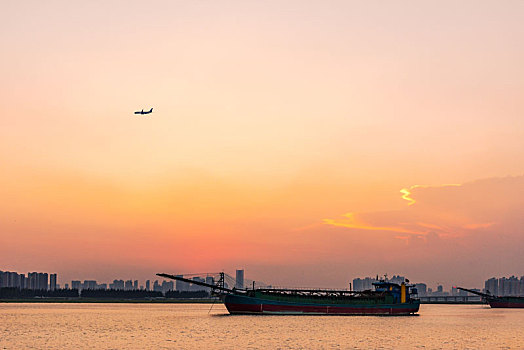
17, 293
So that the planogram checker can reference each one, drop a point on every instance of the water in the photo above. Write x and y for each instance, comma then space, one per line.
189, 326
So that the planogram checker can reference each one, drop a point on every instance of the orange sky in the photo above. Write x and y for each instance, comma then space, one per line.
281, 138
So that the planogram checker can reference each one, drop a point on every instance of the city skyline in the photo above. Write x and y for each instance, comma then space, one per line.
508, 286
305, 141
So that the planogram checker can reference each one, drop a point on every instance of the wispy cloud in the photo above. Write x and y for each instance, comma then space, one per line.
448, 210
352, 221
406, 192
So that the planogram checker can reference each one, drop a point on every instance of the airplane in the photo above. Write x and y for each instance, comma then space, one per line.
146, 112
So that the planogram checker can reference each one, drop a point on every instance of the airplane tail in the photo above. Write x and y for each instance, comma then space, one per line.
151, 110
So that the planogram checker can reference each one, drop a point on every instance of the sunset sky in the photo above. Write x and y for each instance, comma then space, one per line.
309, 142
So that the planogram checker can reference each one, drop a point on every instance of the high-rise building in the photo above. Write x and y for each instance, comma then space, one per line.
196, 287
43, 281
491, 286
13, 280
117, 285
397, 279
148, 285
167, 286
363, 284
32, 280
128, 285
3, 279
157, 287
210, 280
511, 286
90, 284
239, 279
181, 286
76, 285
135, 285
421, 289
52, 281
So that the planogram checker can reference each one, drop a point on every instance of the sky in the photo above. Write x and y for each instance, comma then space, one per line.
308, 142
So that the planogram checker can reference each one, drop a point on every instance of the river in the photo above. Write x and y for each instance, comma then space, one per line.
196, 326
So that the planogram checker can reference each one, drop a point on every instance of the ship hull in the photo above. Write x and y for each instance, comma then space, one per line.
514, 302
238, 304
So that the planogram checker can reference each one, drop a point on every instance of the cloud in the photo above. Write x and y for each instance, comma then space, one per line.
452, 210
353, 220
406, 192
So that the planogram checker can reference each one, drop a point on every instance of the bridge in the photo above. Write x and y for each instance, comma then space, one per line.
452, 299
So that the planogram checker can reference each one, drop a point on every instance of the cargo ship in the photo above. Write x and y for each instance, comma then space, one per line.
498, 301
386, 299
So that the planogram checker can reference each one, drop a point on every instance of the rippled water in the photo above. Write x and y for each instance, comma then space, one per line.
190, 326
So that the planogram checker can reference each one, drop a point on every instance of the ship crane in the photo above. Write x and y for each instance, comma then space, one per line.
484, 295
218, 286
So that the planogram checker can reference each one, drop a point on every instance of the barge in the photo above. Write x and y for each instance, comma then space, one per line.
498, 301
386, 299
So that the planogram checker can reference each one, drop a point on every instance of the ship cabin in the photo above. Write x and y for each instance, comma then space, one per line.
401, 293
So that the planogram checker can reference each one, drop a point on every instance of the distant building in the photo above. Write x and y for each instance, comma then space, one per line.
167, 286
511, 286
210, 280
363, 284
421, 289
239, 279
43, 281
32, 279
52, 281
397, 279
11, 279
117, 285
23, 281
135, 285
15, 279
157, 287
491, 286
76, 285
196, 287
148, 285
128, 285
89, 284
458, 292
181, 286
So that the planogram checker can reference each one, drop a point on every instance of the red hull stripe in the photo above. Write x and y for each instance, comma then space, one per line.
505, 304
320, 310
